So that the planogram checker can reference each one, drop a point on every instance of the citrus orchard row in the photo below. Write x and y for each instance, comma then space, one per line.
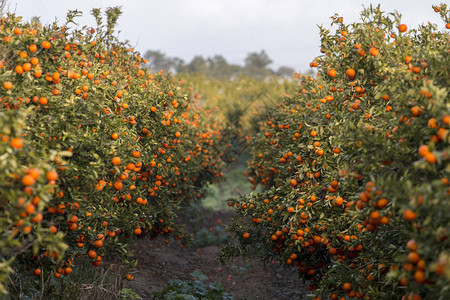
95, 150
356, 163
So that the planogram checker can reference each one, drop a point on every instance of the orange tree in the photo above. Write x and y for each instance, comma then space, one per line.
356, 164
95, 150
240, 99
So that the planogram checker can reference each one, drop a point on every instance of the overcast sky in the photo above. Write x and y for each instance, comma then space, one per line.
285, 29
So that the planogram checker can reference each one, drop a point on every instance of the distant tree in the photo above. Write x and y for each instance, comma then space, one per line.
219, 67
256, 64
178, 65
158, 61
285, 71
197, 65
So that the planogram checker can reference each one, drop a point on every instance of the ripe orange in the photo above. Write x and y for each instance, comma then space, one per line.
382, 202
27, 180
402, 27
413, 257
118, 185
129, 277
37, 218
53, 229
346, 286
98, 244
30, 208
52, 175
92, 254
16, 143
7, 85
423, 150
46, 45
116, 161
331, 72
409, 215
246, 235
33, 48
26, 67
430, 158
43, 100
350, 73
18, 69
373, 51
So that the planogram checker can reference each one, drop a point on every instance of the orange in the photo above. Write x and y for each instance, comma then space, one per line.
26, 67
382, 203
52, 175
331, 72
346, 286
430, 158
423, 150
129, 277
116, 161
46, 45
27, 180
7, 85
98, 244
117, 185
373, 51
43, 100
413, 257
92, 254
33, 48
18, 69
16, 143
409, 215
402, 27
350, 73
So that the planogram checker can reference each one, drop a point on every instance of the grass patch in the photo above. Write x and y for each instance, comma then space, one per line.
235, 185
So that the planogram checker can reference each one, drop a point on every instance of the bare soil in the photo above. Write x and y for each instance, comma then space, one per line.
160, 262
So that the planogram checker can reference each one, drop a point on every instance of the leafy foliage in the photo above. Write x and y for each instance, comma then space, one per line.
356, 163
95, 150
196, 289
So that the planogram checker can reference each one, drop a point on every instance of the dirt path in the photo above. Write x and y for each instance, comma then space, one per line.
160, 262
